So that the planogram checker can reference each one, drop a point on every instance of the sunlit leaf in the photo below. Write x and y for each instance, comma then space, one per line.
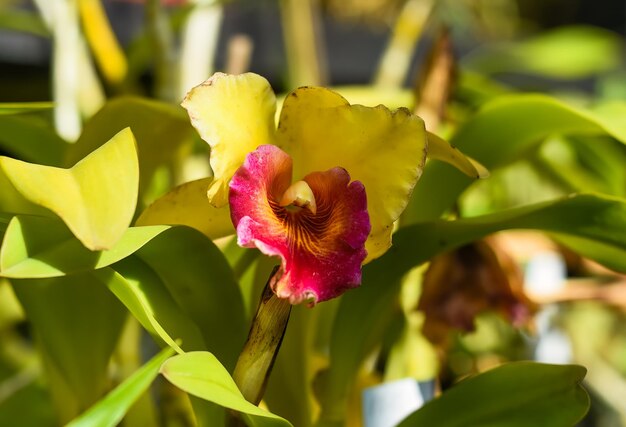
202, 283
19, 20
23, 107
202, 375
566, 53
110, 410
77, 322
30, 405
147, 298
513, 395
32, 138
189, 205
498, 134
365, 312
37, 247
5, 218
162, 131
96, 198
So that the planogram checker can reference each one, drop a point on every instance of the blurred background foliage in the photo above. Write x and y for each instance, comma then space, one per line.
95, 67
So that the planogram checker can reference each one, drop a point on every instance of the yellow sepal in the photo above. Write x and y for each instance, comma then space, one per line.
234, 114
383, 149
188, 205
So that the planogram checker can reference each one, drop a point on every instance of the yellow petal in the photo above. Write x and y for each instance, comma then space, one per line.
234, 114
188, 205
384, 150
96, 198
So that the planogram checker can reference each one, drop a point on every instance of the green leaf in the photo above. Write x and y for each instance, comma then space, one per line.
202, 375
501, 132
513, 395
24, 107
365, 312
96, 198
37, 247
109, 411
606, 254
147, 298
201, 282
19, 20
163, 133
30, 405
77, 322
572, 52
5, 219
32, 138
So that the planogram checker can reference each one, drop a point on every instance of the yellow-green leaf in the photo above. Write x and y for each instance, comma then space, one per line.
202, 375
110, 410
37, 247
96, 197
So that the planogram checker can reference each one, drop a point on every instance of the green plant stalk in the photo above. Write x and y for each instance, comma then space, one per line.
266, 334
305, 54
395, 62
255, 362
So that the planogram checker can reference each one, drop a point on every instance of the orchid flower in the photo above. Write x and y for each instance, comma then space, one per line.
321, 191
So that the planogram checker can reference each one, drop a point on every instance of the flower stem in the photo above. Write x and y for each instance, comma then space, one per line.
266, 334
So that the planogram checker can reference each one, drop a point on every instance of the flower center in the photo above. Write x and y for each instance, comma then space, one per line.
299, 194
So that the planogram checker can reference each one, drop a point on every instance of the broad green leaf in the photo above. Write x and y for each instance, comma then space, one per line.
23, 107
201, 282
77, 322
189, 205
11, 311
146, 297
5, 219
163, 133
110, 410
498, 134
513, 395
583, 164
606, 254
567, 53
30, 405
611, 114
365, 312
32, 138
202, 375
96, 198
37, 247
